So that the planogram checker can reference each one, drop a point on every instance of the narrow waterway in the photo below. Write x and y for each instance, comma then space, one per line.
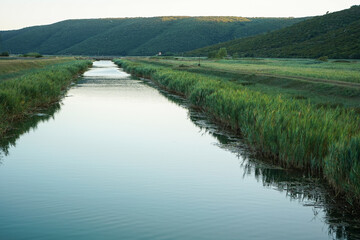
122, 159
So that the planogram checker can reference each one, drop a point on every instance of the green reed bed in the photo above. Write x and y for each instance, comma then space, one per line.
295, 133
21, 96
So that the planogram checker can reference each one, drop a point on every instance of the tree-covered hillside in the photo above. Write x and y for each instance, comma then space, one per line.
335, 35
135, 36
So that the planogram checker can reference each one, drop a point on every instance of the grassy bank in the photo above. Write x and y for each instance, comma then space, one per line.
24, 94
302, 79
10, 68
294, 132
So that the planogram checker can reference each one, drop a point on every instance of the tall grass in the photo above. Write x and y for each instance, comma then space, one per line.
23, 95
9, 66
295, 133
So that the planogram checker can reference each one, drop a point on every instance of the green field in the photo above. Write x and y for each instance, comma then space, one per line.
10, 68
29, 86
336, 70
285, 122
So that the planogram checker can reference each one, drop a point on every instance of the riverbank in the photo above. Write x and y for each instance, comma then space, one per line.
15, 67
31, 86
293, 132
325, 84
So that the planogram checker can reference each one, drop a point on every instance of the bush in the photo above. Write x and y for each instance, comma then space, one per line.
221, 53
212, 54
33, 54
323, 59
4, 54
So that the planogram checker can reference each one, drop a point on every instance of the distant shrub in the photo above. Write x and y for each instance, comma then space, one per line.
33, 54
221, 53
212, 54
323, 59
4, 54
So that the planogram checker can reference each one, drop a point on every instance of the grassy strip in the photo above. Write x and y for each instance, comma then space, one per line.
21, 96
9, 66
14, 68
345, 71
296, 133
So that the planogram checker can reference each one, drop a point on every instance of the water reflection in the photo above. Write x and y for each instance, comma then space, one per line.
24, 127
343, 221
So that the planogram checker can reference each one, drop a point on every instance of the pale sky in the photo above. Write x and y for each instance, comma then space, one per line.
17, 14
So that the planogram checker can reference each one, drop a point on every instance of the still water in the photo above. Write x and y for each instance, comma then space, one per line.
121, 159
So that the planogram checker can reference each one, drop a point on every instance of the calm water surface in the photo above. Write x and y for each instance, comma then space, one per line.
122, 160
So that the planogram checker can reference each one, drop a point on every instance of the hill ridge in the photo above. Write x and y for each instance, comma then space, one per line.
135, 36
336, 35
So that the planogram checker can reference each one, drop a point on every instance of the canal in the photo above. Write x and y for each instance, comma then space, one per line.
122, 159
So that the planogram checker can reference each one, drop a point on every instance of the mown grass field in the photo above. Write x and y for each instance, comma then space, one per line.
295, 132
29, 85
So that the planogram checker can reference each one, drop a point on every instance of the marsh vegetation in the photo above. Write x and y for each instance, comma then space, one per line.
28, 86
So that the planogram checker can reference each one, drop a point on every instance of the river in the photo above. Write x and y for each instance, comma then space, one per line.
122, 159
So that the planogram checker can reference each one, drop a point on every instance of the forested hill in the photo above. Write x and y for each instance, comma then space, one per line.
135, 36
336, 35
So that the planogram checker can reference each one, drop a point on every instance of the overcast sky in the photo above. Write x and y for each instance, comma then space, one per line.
17, 14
